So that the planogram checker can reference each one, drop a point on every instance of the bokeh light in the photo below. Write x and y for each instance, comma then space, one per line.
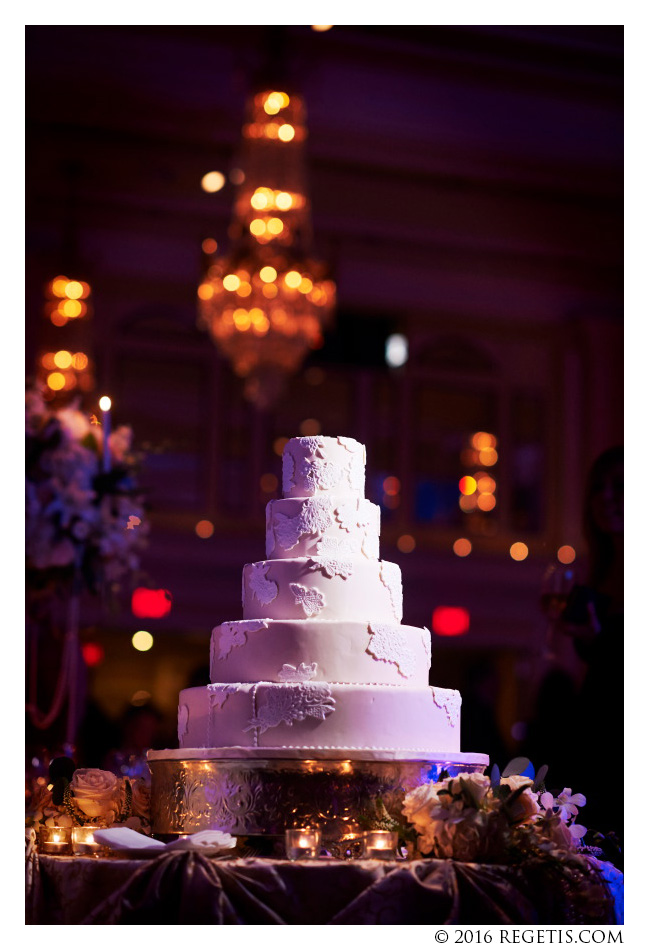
286, 132
519, 551
487, 456
278, 444
268, 482
231, 281
209, 246
56, 381
450, 621
212, 182
105, 403
396, 350
150, 602
462, 547
92, 653
391, 485
142, 640
468, 485
310, 427
483, 440
468, 503
486, 501
486, 483
268, 274
204, 528
406, 543
566, 554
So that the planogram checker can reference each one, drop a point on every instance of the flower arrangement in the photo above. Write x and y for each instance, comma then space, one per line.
76, 513
497, 819
90, 796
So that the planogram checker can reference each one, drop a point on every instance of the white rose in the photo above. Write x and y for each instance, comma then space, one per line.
516, 781
95, 792
477, 784
418, 804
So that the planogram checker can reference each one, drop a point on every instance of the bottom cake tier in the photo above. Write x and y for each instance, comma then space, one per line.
312, 717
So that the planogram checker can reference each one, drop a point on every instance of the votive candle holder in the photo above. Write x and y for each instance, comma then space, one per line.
83, 840
380, 844
54, 840
302, 843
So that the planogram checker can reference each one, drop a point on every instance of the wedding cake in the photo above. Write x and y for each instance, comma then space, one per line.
320, 660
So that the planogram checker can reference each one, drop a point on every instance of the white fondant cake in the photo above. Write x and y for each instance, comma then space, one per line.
321, 659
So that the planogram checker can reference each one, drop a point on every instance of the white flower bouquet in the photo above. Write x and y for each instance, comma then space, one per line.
474, 817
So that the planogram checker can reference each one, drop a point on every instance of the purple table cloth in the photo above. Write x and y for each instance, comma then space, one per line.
188, 888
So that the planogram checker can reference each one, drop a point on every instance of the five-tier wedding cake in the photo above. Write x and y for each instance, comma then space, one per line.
320, 662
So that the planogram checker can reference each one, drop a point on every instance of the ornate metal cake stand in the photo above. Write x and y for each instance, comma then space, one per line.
261, 792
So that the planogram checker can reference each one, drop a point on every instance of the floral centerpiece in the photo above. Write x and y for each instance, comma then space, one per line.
473, 817
91, 796
77, 513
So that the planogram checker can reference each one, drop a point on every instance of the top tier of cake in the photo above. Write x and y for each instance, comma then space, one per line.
322, 465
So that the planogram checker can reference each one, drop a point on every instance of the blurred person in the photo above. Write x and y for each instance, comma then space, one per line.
593, 619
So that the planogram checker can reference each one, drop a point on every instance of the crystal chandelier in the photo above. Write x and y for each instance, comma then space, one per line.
266, 303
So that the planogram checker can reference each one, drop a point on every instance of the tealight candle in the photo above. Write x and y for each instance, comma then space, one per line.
54, 840
380, 844
83, 841
302, 843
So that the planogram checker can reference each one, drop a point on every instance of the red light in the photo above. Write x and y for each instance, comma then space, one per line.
450, 621
93, 653
150, 603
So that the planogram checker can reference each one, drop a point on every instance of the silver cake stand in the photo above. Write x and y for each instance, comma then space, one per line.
261, 792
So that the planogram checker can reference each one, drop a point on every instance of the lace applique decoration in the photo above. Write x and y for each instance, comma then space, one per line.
313, 444
287, 531
450, 701
183, 722
300, 674
331, 547
234, 634
370, 546
288, 471
290, 703
347, 515
262, 587
312, 600
332, 566
350, 444
316, 515
390, 574
322, 474
270, 534
356, 474
218, 694
314, 518
389, 644
425, 639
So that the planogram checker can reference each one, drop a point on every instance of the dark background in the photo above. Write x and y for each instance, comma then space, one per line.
466, 186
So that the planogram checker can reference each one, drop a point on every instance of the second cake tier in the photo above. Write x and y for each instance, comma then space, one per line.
323, 588
343, 651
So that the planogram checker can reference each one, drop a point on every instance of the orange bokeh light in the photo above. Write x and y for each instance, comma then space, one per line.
519, 551
462, 547
486, 501
391, 485
566, 554
406, 543
204, 529
467, 485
